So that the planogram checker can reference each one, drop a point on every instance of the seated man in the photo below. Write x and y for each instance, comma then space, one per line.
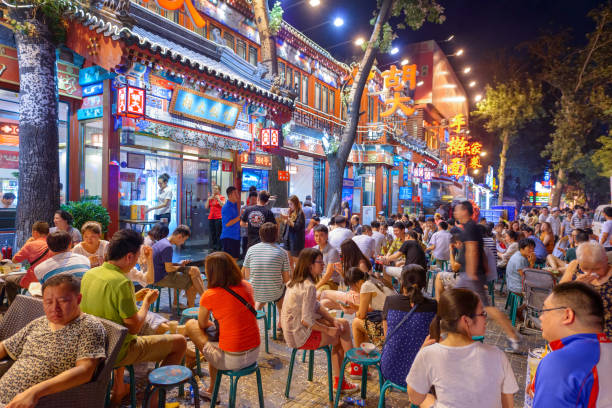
34, 251
331, 261
411, 251
366, 242
108, 293
72, 340
62, 261
340, 233
576, 372
168, 274
524, 258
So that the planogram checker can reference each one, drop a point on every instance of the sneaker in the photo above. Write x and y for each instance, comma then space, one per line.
356, 371
347, 387
514, 345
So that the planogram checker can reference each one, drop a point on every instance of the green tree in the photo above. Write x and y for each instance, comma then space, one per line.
576, 75
38, 27
505, 110
408, 13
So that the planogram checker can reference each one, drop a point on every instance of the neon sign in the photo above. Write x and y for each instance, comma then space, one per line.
187, 5
394, 82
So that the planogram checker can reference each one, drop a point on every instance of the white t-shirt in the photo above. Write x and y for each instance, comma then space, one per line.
366, 244
337, 236
378, 301
607, 227
464, 377
555, 224
379, 238
100, 252
162, 196
441, 241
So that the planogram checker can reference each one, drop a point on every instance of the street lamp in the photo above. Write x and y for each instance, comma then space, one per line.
394, 51
359, 41
420, 83
405, 61
449, 39
472, 84
475, 171
483, 153
467, 70
478, 98
312, 3
337, 22
459, 52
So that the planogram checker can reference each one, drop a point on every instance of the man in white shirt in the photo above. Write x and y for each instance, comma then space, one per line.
339, 234
365, 242
606, 231
63, 259
439, 243
379, 237
543, 215
555, 221
579, 220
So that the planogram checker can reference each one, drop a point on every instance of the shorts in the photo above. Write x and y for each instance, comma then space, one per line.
375, 332
151, 323
476, 286
225, 360
231, 246
176, 280
159, 217
448, 279
147, 348
313, 342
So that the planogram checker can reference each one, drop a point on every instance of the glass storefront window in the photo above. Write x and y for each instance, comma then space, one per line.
369, 185
91, 180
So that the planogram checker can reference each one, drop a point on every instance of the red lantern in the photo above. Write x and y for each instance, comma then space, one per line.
131, 101
269, 137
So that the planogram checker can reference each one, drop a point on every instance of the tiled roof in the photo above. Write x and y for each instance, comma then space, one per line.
173, 51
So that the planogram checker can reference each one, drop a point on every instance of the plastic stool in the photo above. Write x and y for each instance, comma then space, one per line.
358, 356
189, 313
431, 275
262, 315
157, 302
327, 350
491, 285
234, 376
272, 321
388, 384
167, 377
514, 301
133, 402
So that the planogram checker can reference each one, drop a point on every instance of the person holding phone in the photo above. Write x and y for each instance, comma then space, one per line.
214, 204
164, 200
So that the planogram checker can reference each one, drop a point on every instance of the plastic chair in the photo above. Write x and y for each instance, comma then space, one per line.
514, 301
358, 356
234, 376
327, 350
167, 377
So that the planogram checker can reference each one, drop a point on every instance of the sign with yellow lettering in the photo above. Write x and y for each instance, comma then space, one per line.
395, 81
201, 107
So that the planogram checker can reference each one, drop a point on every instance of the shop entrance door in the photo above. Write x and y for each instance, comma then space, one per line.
195, 190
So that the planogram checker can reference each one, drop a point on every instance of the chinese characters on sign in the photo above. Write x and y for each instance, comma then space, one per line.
190, 10
395, 82
283, 175
269, 137
201, 107
131, 102
458, 145
257, 159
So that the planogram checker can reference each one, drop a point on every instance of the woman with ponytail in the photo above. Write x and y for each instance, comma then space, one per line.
465, 373
406, 319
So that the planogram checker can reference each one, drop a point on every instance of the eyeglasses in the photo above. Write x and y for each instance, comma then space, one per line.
483, 314
552, 308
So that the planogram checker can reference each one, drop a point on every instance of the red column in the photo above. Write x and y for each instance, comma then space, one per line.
110, 160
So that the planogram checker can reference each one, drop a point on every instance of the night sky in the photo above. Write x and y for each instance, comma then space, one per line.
481, 27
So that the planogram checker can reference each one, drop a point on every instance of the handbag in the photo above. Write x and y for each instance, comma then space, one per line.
374, 316
212, 332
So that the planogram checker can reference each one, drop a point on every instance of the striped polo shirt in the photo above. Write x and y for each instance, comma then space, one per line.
64, 262
266, 263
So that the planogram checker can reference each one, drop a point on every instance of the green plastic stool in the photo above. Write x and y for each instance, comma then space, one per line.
188, 314
358, 356
157, 302
272, 321
431, 275
167, 377
388, 384
327, 350
262, 315
514, 301
133, 401
491, 285
234, 376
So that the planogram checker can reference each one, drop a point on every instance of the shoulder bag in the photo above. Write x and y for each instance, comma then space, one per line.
212, 332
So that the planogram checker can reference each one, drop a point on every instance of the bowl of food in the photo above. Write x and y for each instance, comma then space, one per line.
367, 347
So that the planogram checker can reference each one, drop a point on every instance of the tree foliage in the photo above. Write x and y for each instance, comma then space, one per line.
49, 12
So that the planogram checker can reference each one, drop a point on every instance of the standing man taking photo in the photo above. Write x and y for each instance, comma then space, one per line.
474, 266
230, 220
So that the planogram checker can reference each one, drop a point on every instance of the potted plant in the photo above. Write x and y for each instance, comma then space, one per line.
87, 210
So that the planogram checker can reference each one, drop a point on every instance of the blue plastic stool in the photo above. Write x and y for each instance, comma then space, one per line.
388, 384
514, 301
167, 377
327, 350
358, 356
133, 401
431, 275
234, 376
189, 313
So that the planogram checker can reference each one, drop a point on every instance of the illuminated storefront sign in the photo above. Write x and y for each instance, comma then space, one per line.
269, 137
201, 107
131, 101
257, 159
395, 81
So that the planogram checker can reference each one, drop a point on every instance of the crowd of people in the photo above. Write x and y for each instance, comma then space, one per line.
312, 270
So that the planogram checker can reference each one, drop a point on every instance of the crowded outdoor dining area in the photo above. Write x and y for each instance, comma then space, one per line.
396, 310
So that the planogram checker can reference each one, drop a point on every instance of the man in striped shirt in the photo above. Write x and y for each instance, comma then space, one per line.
579, 220
63, 260
266, 267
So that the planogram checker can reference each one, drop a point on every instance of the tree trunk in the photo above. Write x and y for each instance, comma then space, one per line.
337, 160
267, 40
38, 134
555, 200
502, 166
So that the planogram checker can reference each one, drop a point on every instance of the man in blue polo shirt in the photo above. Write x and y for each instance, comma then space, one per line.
576, 372
230, 220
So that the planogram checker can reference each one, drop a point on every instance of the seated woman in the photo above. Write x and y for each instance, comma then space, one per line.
238, 344
464, 372
367, 324
404, 334
351, 257
306, 324
92, 246
447, 280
